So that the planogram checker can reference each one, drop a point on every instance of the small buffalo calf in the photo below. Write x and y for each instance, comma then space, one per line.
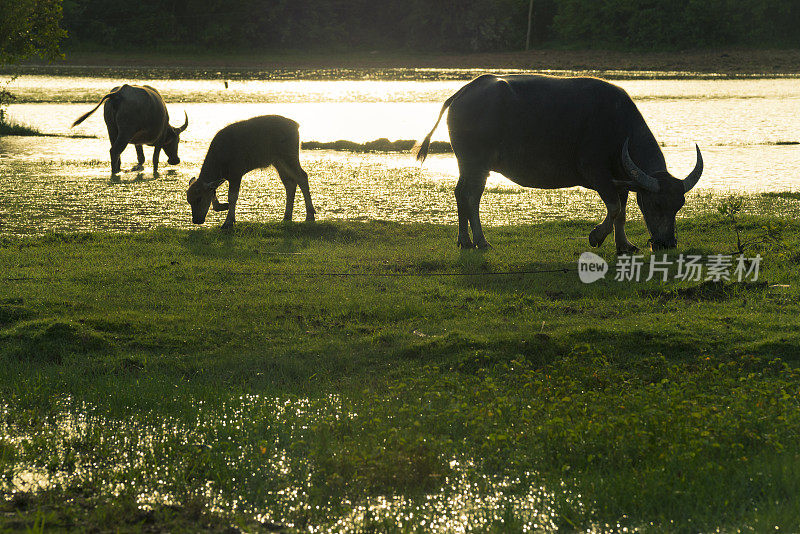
238, 149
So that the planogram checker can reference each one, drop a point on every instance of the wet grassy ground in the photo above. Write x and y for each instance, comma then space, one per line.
168, 379
358, 375
42, 195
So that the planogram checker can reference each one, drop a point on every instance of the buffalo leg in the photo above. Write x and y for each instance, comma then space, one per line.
292, 170
469, 190
291, 189
113, 134
140, 158
600, 232
620, 239
156, 153
117, 147
462, 206
217, 205
233, 196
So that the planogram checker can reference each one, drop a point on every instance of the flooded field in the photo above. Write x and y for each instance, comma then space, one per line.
747, 129
210, 374
268, 480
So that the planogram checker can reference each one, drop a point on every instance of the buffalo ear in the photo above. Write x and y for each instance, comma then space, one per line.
191, 190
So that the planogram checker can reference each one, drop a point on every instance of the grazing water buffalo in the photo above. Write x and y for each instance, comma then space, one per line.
137, 114
548, 132
238, 149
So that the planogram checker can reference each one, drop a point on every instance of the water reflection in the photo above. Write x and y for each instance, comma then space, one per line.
246, 445
68, 196
680, 112
61, 183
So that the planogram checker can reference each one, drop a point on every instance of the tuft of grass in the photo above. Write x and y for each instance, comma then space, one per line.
707, 290
50, 341
13, 128
13, 311
788, 195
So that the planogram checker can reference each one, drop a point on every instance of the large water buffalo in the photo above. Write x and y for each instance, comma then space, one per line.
137, 114
548, 132
238, 149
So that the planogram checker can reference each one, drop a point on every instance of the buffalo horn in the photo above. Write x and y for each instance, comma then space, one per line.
690, 181
637, 174
185, 124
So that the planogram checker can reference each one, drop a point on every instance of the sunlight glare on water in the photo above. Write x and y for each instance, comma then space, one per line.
746, 129
709, 112
81, 445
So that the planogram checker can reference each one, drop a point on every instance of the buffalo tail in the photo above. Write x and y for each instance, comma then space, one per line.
86, 115
421, 150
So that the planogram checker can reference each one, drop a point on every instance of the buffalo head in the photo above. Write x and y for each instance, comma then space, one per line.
171, 139
659, 196
201, 195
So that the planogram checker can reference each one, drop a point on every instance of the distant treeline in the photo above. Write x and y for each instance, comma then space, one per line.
431, 25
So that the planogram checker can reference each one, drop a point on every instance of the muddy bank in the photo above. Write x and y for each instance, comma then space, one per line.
378, 145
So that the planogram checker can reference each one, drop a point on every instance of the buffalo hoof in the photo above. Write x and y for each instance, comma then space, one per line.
483, 246
465, 245
137, 167
222, 206
597, 236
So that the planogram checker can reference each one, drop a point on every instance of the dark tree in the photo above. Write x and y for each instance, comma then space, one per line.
427, 25
30, 28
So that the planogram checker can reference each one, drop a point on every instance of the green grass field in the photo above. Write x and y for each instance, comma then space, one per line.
371, 377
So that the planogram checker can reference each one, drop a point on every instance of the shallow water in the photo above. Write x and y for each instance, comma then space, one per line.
59, 183
258, 473
680, 112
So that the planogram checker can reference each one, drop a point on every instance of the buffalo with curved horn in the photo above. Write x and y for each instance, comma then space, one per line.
549, 132
137, 114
